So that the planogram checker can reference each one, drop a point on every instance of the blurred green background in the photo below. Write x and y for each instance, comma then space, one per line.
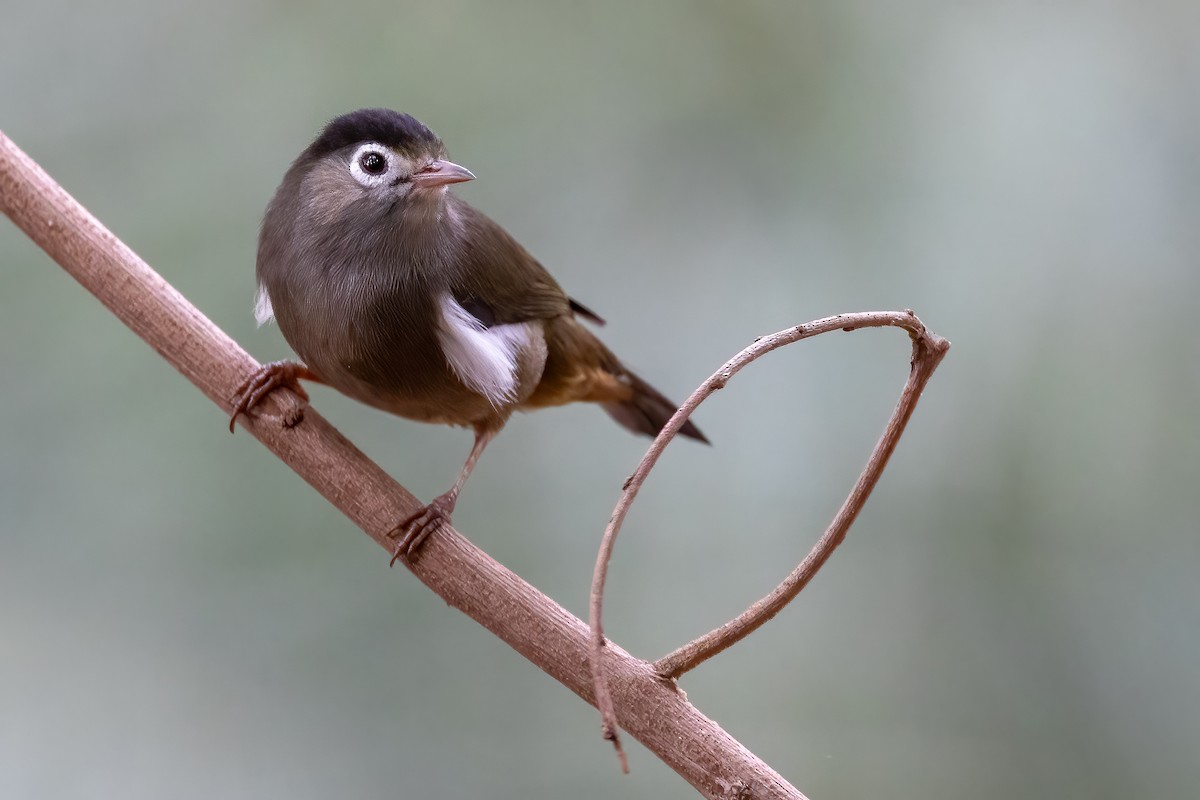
1014, 613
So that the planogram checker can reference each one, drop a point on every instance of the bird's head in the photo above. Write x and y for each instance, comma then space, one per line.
377, 156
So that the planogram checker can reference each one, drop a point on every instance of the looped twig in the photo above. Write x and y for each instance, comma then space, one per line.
928, 351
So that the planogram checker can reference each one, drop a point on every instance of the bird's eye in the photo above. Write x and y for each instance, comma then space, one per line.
372, 163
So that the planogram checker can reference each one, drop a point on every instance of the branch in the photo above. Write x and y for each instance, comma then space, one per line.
652, 710
928, 351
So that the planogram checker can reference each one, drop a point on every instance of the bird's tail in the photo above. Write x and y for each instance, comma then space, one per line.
646, 410
580, 367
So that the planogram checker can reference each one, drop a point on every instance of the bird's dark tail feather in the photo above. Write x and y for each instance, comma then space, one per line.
647, 411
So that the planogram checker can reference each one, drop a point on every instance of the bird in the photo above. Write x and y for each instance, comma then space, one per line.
397, 293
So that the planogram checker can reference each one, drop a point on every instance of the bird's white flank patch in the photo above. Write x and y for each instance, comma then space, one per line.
263, 313
484, 359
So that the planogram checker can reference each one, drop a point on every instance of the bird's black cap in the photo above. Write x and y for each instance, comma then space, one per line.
391, 128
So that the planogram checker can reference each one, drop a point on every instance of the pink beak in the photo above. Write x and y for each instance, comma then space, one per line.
440, 173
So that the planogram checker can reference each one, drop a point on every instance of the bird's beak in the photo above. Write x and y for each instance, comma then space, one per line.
440, 173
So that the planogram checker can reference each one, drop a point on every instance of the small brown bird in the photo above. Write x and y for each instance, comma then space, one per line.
397, 293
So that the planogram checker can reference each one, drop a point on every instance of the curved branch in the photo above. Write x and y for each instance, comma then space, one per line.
928, 351
554, 640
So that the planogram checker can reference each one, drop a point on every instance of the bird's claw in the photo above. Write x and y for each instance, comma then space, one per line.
262, 382
412, 531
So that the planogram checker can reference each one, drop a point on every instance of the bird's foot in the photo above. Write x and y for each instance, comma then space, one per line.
412, 531
265, 380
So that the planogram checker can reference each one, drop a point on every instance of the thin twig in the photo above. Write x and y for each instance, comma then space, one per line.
554, 640
928, 351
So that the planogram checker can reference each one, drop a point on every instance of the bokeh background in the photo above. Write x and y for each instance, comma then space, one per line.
1016, 612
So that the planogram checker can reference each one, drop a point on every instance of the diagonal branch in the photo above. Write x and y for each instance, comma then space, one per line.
652, 710
928, 351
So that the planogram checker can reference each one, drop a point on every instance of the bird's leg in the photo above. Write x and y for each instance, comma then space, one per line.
414, 529
267, 379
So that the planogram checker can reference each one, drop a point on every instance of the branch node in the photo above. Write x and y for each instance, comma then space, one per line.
739, 790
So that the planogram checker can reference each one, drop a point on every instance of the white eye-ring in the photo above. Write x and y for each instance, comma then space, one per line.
371, 164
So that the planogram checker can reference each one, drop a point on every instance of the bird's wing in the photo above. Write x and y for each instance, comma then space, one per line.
499, 282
